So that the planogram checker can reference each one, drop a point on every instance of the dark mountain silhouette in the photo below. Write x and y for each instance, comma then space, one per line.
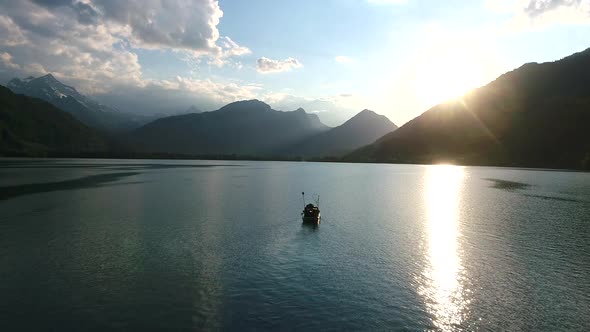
244, 128
535, 116
70, 100
33, 126
362, 129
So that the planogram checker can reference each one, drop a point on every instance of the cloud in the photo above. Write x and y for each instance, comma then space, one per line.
43, 39
232, 48
94, 40
531, 14
540, 13
343, 59
229, 49
222, 92
177, 94
332, 110
93, 44
6, 60
10, 32
265, 65
539, 7
188, 25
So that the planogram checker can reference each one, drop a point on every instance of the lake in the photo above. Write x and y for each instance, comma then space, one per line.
219, 245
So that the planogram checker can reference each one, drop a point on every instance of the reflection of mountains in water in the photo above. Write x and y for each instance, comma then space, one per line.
91, 181
84, 182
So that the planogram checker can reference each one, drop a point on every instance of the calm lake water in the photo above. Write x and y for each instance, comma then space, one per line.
196, 245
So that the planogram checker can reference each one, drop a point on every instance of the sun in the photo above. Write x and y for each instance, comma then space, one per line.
448, 74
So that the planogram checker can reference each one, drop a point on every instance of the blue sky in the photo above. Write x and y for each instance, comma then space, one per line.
333, 58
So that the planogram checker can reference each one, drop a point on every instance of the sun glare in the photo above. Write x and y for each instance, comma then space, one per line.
444, 294
448, 74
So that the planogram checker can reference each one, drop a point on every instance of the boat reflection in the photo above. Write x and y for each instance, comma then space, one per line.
312, 226
442, 288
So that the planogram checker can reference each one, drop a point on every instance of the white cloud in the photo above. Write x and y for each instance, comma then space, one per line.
332, 110
539, 7
10, 32
558, 11
222, 92
91, 44
232, 48
534, 14
45, 39
6, 60
177, 94
93, 40
190, 25
265, 65
229, 49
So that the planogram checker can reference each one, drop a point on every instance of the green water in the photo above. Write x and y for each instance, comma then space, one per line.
194, 245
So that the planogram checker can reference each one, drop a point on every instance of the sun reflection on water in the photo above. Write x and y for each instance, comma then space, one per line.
442, 288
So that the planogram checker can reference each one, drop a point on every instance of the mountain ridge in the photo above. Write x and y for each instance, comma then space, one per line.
67, 98
363, 128
243, 127
31, 126
537, 115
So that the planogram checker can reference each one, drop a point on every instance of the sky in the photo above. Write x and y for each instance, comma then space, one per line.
331, 57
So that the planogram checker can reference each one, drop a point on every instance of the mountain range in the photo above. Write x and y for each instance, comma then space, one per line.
246, 128
535, 116
364, 128
252, 127
83, 108
34, 127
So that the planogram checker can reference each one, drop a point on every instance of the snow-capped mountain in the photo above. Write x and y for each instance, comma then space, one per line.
46, 87
67, 98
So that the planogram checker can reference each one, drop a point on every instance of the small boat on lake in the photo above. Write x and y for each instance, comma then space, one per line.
311, 213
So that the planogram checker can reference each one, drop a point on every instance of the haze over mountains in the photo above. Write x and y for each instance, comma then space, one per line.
253, 128
85, 109
535, 116
367, 126
246, 128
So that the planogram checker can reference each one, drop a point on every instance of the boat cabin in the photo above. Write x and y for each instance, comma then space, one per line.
311, 213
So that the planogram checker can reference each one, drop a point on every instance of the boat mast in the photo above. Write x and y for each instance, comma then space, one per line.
303, 198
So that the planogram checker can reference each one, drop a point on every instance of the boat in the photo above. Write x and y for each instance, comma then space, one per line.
311, 213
